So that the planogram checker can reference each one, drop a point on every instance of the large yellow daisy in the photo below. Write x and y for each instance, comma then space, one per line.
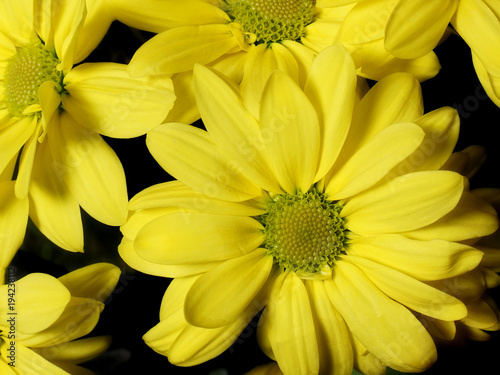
51, 115
246, 40
331, 213
41, 317
412, 28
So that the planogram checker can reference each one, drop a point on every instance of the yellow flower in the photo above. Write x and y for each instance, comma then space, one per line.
246, 40
332, 214
414, 27
41, 317
51, 114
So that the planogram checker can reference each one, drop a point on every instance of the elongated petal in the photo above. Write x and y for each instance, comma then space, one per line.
77, 351
335, 351
387, 329
395, 207
213, 301
204, 238
405, 34
178, 49
491, 84
14, 136
17, 20
331, 88
290, 128
26, 162
103, 97
13, 221
423, 260
231, 127
29, 362
481, 315
53, 209
92, 171
410, 292
39, 301
189, 154
291, 331
375, 159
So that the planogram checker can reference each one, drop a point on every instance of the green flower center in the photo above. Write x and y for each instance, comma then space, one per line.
25, 72
272, 20
304, 232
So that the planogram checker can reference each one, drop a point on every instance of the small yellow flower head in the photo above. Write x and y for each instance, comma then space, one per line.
304, 232
26, 71
272, 20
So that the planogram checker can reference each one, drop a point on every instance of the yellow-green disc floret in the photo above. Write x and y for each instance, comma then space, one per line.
304, 232
25, 72
272, 20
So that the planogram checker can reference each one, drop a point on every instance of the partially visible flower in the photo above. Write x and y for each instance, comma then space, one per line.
410, 29
246, 40
333, 215
268, 369
51, 115
42, 317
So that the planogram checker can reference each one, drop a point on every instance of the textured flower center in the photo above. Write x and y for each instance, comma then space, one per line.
25, 72
304, 232
272, 20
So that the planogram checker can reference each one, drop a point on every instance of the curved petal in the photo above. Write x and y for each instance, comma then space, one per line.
96, 281
53, 209
303, 56
415, 27
221, 295
185, 109
331, 88
29, 362
290, 131
92, 171
423, 260
175, 239
17, 21
40, 300
490, 83
394, 207
77, 351
189, 154
374, 160
26, 162
231, 127
291, 327
387, 329
103, 97
178, 49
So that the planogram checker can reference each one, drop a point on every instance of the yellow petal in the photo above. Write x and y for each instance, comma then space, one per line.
410, 292
481, 315
91, 171
268, 369
13, 221
188, 154
185, 109
290, 130
393, 207
26, 162
96, 281
415, 27
175, 296
77, 351
29, 362
423, 260
38, 300
331, 89
7, 48
291, 331
103, 97
491, 84
53, 209
468, 287
4, 367
374, 160
471, 218
387, 329
204, 238
231, 127
17, 21
178, 49
321, 33
303, 56
221, 295
364, 361
335, 351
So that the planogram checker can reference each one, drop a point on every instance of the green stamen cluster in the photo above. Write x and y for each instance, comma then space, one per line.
272, 20
304, 232
25, 72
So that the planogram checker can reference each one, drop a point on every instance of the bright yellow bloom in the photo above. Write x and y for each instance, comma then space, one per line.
246, 40
414, 27
41, 316
51, 115
332, 214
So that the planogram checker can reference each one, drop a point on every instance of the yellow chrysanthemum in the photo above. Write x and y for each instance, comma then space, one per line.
331, 213
41, 318
412, 28
246, 40
51, 114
